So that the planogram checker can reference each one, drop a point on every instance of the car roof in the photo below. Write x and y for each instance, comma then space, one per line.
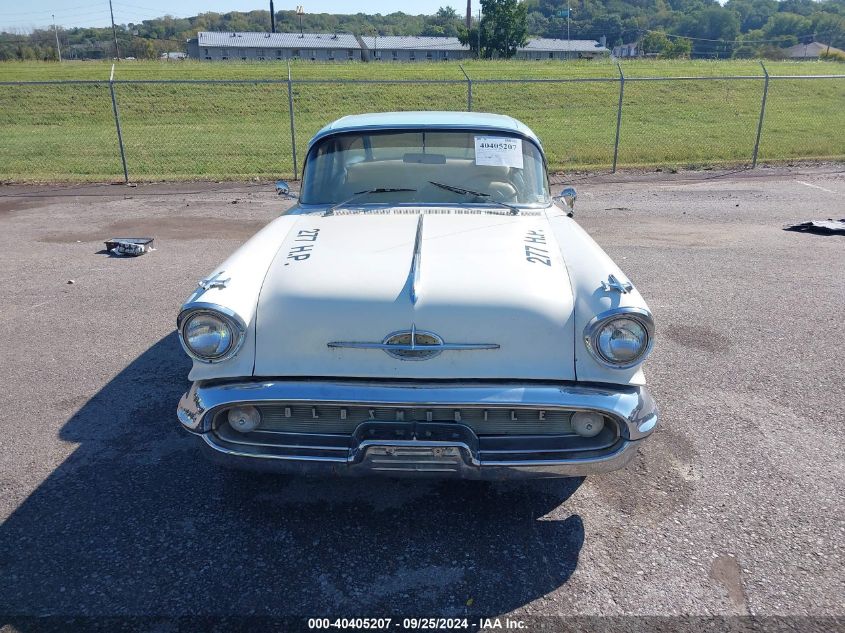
481, 121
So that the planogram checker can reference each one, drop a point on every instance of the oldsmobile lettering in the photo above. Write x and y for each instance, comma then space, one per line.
433, 336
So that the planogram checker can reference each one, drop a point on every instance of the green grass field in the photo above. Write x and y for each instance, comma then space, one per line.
215, 131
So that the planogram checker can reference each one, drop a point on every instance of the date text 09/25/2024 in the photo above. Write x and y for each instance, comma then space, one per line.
416, 624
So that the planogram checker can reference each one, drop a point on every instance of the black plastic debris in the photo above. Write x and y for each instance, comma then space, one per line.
819, 227
129, 246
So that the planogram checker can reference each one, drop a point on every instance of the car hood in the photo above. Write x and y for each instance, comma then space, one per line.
494, 285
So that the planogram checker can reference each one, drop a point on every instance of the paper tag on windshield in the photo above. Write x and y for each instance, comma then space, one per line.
498, 150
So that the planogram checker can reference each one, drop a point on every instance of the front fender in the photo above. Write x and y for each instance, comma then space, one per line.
588, 266
239, 279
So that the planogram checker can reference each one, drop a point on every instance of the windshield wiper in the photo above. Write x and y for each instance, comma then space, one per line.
479, 194
361, 194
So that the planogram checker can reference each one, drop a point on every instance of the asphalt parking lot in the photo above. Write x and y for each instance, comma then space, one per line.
733, 507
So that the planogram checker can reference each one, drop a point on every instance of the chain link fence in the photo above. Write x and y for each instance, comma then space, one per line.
185, 129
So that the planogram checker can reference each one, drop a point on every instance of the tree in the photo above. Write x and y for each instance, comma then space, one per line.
681, 48
829, 28
801, 7
445, 22
713, 23
749, 46
469, 37
503, 27
781, 24
715, 28
655, 42
832, 56
537, 23
753, 14
143, 49
607, 24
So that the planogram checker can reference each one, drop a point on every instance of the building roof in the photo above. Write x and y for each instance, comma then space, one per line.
813, 49
277, 40
432, 119
407, 42
545, 44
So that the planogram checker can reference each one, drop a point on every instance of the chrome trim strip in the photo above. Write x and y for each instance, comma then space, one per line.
632, 406
414, 275
274, 432
546, 451
409, 348
414, 347
341, 449
594, 327
495, 470
209, 440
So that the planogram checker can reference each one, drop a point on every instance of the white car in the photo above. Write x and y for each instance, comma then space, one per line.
426, 308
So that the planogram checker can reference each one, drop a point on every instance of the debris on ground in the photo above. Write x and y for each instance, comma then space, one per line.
819, 227
129, 246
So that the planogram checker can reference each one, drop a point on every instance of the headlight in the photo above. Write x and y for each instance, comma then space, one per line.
620, 338
209, 334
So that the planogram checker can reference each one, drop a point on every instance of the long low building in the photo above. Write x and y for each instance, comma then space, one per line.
413, 48
221, 46
214, 46
540, 48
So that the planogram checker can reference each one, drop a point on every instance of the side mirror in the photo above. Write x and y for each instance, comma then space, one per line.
283, 189
568, 195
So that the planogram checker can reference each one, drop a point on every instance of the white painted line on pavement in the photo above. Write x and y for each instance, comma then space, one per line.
807, 184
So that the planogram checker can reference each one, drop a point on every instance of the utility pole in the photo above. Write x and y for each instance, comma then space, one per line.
272, 18
300, 12
567, 12
58, 46
114, 32
568, 44
479, 34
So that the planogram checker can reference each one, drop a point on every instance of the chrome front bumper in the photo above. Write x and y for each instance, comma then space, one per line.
414, 443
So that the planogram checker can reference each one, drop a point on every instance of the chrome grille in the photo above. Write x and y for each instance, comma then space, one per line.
341, 419
403, 439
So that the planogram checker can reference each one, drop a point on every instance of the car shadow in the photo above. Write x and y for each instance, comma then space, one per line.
136, 523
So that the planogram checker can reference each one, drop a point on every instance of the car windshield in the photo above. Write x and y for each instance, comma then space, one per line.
425, 167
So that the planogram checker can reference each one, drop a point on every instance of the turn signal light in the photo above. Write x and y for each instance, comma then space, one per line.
587, 423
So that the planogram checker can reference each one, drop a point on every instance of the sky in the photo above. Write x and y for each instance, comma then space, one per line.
19, 16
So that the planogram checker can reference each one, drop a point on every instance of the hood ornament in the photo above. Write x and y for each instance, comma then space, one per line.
414, 344
215, 281
612, 283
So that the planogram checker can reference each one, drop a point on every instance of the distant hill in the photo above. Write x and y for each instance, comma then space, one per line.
740, 28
